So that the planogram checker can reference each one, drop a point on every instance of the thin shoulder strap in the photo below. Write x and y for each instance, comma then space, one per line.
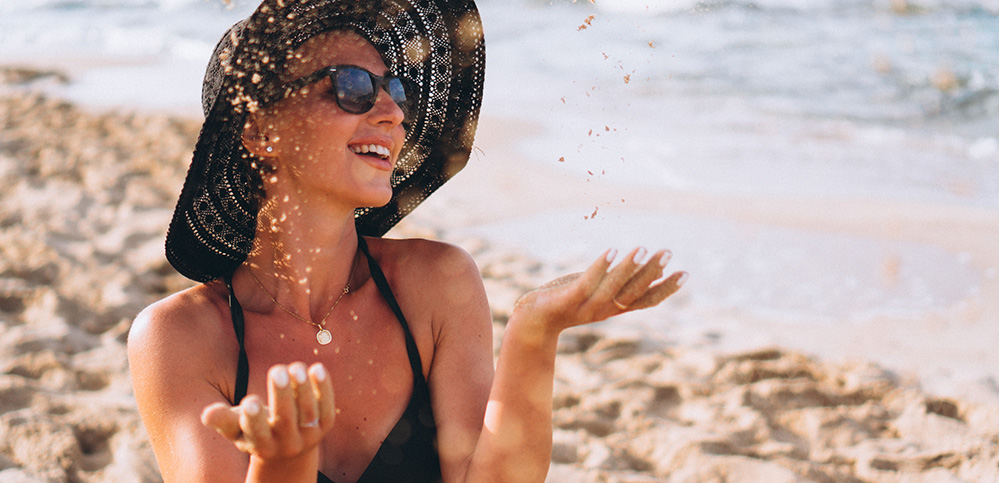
379, 277
243, 369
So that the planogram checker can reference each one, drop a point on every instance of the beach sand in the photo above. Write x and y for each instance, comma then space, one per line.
87, 197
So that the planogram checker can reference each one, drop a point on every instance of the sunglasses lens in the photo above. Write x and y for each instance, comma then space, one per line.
401, 92
355, 90
397, 90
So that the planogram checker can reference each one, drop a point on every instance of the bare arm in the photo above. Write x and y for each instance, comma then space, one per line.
514, 438
174, 356
517, 434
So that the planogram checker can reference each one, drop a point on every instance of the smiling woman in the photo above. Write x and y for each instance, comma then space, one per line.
315, 349
333, 113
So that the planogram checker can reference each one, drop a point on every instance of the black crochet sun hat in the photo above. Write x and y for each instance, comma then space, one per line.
437, 44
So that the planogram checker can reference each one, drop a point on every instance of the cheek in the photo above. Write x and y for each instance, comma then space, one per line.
312, 133
293, 118
313, 126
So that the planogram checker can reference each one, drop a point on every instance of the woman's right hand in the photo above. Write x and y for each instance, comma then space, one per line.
298, 414
601, 292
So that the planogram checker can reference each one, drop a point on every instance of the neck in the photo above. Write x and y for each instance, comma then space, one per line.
303, 255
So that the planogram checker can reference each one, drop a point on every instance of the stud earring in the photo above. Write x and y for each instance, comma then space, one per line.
269, 149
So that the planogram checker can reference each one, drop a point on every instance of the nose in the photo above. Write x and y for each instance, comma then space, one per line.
386, 110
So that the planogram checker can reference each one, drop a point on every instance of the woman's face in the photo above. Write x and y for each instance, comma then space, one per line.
322, 150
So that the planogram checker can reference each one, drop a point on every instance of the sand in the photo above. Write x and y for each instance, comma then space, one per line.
86, 200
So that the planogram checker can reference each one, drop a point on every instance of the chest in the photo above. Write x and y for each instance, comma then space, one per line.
368, 365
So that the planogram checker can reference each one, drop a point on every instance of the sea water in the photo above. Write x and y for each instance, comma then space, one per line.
839, 98
885, 100
844, 101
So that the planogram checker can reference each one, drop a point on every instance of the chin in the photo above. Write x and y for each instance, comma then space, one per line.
379, 199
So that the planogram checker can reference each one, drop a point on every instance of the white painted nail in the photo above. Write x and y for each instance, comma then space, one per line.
319, 372
639, 255
252, 407
280, 377
663, 260
682, 280
611, 254
298, 372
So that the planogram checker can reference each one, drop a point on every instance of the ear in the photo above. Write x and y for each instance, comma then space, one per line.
255, 140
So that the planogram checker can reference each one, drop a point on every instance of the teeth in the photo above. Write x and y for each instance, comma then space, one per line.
371, 148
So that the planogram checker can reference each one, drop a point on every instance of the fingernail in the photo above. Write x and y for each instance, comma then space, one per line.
252, 408
298, 372
639, 255
682, 280
663, 260
319, 372
280, 377
611, 254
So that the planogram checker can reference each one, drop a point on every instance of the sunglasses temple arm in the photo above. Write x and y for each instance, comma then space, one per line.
291, 87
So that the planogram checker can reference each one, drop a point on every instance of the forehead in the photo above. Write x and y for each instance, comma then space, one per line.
335, 48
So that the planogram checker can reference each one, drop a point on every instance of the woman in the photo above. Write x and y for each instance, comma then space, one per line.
315, 349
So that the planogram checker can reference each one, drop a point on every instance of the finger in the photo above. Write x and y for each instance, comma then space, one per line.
305, 398
256, 436
222, 418
619, 275
641, 280
658, 292
591, 279
281, 398
323, 390
587, 281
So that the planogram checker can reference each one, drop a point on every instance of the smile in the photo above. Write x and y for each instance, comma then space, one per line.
372, 149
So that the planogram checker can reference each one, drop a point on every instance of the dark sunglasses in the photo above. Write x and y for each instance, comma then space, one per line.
357, 89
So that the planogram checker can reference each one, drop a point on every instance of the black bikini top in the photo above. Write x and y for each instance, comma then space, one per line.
409, 453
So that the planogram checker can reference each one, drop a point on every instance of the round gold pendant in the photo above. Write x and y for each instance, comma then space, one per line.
324, 337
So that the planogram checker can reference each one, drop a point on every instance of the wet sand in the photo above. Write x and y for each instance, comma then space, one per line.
86, 200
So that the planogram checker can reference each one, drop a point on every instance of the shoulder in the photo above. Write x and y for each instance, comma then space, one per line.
183, 334
437, 283
182, 355
421, 261
184, 315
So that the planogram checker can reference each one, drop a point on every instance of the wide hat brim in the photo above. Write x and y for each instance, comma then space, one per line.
436, 44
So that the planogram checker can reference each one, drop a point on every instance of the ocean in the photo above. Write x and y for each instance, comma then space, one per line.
893, 101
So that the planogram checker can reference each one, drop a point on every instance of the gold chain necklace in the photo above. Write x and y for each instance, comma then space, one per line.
323, 336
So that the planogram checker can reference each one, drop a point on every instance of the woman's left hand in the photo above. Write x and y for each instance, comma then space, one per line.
298, 414
600, 292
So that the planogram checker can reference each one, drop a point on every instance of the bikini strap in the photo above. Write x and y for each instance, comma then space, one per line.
243, 369
379, 277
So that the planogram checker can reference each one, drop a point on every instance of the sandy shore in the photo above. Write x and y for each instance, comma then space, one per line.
86, 200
